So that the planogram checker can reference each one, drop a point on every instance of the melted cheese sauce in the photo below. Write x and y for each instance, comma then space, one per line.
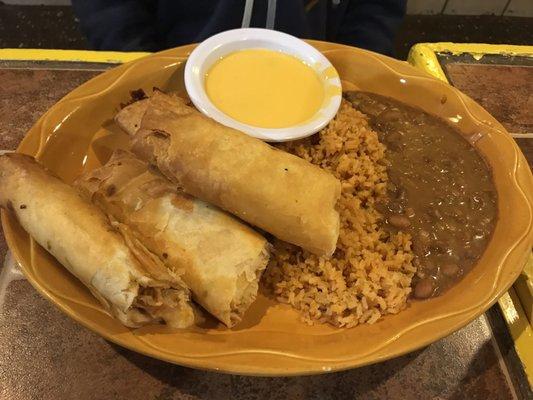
265, 88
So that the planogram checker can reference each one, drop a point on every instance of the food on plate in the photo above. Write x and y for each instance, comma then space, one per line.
417, 209
385, 204
129, 118
414, 217
370, 273
271, 189
221, 258
265, 88
131, 114
440, 191
126, 278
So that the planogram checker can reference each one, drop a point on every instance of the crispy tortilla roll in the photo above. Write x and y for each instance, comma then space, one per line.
129, 118
283, 194
128, 280
221, 258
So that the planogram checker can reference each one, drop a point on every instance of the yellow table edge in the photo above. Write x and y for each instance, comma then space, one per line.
112, 57
423, 56
517, 303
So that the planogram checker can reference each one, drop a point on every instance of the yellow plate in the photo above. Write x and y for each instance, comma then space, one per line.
78, 133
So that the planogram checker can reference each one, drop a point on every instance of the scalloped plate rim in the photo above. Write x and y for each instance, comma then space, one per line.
467, 316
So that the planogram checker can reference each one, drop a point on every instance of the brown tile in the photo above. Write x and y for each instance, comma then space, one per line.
24, 96
46, 355
506, 91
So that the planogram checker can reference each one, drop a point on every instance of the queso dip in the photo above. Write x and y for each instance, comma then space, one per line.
265, 88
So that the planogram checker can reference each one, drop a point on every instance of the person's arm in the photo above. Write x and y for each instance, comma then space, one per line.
371, 24
126, 25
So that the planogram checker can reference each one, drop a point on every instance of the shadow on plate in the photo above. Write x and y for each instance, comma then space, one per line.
109, 138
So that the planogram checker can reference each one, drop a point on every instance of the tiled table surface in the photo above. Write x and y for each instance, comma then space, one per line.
502, 84
46, 355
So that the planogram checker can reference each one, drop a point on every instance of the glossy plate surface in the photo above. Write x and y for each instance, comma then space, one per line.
78, 134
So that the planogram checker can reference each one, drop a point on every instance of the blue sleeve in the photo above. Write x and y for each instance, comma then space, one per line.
372, 24
125, 25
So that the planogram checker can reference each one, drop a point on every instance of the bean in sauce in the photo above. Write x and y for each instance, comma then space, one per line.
440, 191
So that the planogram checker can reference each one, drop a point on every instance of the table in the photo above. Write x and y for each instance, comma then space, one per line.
46, 355
500, 78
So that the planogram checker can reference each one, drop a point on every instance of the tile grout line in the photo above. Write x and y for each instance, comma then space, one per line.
501, 361
505, 8
444, 6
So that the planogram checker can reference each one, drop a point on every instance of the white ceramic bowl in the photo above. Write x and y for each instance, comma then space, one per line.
218, 46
